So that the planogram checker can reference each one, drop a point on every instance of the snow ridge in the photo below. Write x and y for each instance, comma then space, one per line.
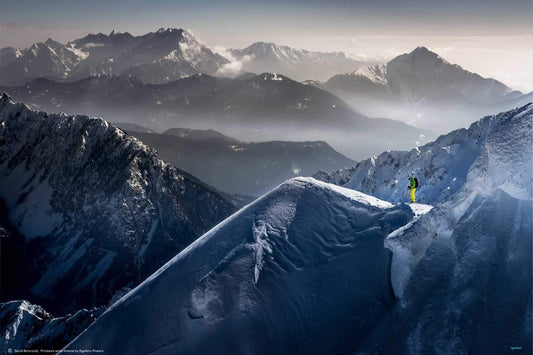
84, 190
443, 166
258, 270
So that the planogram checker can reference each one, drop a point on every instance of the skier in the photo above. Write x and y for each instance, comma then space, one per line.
413, 184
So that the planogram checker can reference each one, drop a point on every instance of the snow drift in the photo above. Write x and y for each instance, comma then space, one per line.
301, 270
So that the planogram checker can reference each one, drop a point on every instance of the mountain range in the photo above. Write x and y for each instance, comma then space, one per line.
162, 56
26, 326
425, 90
90, 209
156, 57
315, 267
420, 88
261, 107
298, 64
220, 160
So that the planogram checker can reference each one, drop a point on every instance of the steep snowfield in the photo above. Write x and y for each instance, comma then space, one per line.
98, 209
302, 269
463, 271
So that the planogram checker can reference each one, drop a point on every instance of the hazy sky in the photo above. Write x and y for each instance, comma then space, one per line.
491, 37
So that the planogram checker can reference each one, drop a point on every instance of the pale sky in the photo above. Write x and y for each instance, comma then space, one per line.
491, 37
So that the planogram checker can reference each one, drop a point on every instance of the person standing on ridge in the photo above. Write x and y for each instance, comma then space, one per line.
413, 184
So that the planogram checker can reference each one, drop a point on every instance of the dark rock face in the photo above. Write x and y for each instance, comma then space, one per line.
98, 210
25, 326
221, 162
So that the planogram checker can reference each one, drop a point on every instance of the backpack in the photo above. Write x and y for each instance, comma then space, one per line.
416, 182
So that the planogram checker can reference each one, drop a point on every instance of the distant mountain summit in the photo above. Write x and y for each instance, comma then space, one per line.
424, 89
200, 135
296, 63
268, 106
156, 57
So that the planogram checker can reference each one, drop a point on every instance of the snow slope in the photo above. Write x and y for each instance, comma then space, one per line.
468, 262
300, 270
98, 210
442, 166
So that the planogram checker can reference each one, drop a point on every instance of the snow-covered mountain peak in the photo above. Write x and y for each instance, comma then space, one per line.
29, 327
423, 89
171, 32
83, 189
262, 47
52, 43
376, 74
156, 57
22, 307
299, 64
282, 263
420, 55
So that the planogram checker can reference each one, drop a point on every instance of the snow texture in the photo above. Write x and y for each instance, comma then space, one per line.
302, 269
467, 262
442, 166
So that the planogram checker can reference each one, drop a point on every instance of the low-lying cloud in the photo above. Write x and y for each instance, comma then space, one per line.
235, 65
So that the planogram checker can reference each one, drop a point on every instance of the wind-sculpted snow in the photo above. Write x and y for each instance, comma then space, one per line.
463, 271
98, 209
442, 166
469, 290
300, 270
